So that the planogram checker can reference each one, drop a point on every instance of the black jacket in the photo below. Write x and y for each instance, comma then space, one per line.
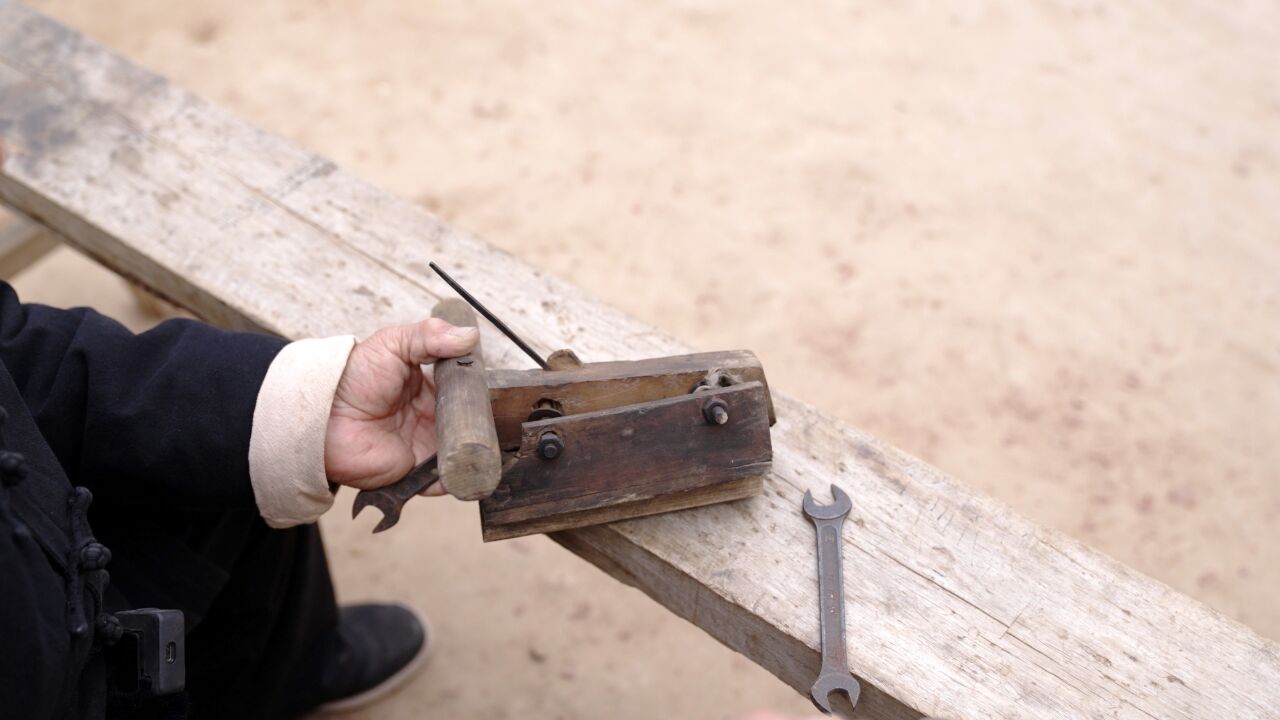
146, 423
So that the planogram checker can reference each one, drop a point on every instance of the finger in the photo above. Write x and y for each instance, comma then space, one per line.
432, 338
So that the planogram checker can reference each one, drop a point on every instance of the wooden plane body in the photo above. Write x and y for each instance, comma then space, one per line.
626, 439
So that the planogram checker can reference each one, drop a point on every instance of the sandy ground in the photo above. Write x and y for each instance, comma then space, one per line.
1036, 244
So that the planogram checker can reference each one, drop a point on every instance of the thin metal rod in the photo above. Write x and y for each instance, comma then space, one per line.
490, 316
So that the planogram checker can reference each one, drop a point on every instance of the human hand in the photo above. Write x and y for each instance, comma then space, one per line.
383, 420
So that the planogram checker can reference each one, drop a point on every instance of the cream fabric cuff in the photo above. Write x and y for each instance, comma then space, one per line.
286, 446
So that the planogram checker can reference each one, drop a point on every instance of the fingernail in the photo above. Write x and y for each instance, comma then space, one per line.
461, 331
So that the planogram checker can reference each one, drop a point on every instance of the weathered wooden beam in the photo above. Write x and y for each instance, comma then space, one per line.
22, 243
956, 606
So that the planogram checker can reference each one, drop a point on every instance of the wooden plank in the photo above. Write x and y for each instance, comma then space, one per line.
22, 243
554, 520
956, 606
633, 461
598, 386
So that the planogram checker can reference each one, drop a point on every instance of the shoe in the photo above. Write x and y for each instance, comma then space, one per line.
376, 649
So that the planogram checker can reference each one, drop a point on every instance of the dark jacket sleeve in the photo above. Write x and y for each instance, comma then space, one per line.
158, 418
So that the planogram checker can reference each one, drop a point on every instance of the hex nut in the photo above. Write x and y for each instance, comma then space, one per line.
550, 446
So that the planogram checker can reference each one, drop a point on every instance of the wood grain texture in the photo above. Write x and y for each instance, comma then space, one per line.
602, 385
625, 462
735, 488
22, 243
956, 607
469, 458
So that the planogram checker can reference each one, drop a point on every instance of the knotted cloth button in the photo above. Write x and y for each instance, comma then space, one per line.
13, 467
107, 630
94, 556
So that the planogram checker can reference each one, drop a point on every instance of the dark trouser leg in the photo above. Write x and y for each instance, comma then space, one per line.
256, 601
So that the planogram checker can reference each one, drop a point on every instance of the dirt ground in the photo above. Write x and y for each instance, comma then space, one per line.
1036, 244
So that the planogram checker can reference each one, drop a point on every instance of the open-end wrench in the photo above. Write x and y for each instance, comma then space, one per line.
828, 520
391, 499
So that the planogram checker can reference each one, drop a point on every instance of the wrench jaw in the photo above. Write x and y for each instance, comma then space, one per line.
831, 682
390, 499
390, 511
837, 509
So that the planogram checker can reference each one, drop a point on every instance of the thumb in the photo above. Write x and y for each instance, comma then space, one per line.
432, 338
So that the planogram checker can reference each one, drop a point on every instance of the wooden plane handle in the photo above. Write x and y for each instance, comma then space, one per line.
470, 461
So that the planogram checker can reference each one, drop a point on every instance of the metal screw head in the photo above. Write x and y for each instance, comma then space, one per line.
550, 446
466, 360
715, 411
